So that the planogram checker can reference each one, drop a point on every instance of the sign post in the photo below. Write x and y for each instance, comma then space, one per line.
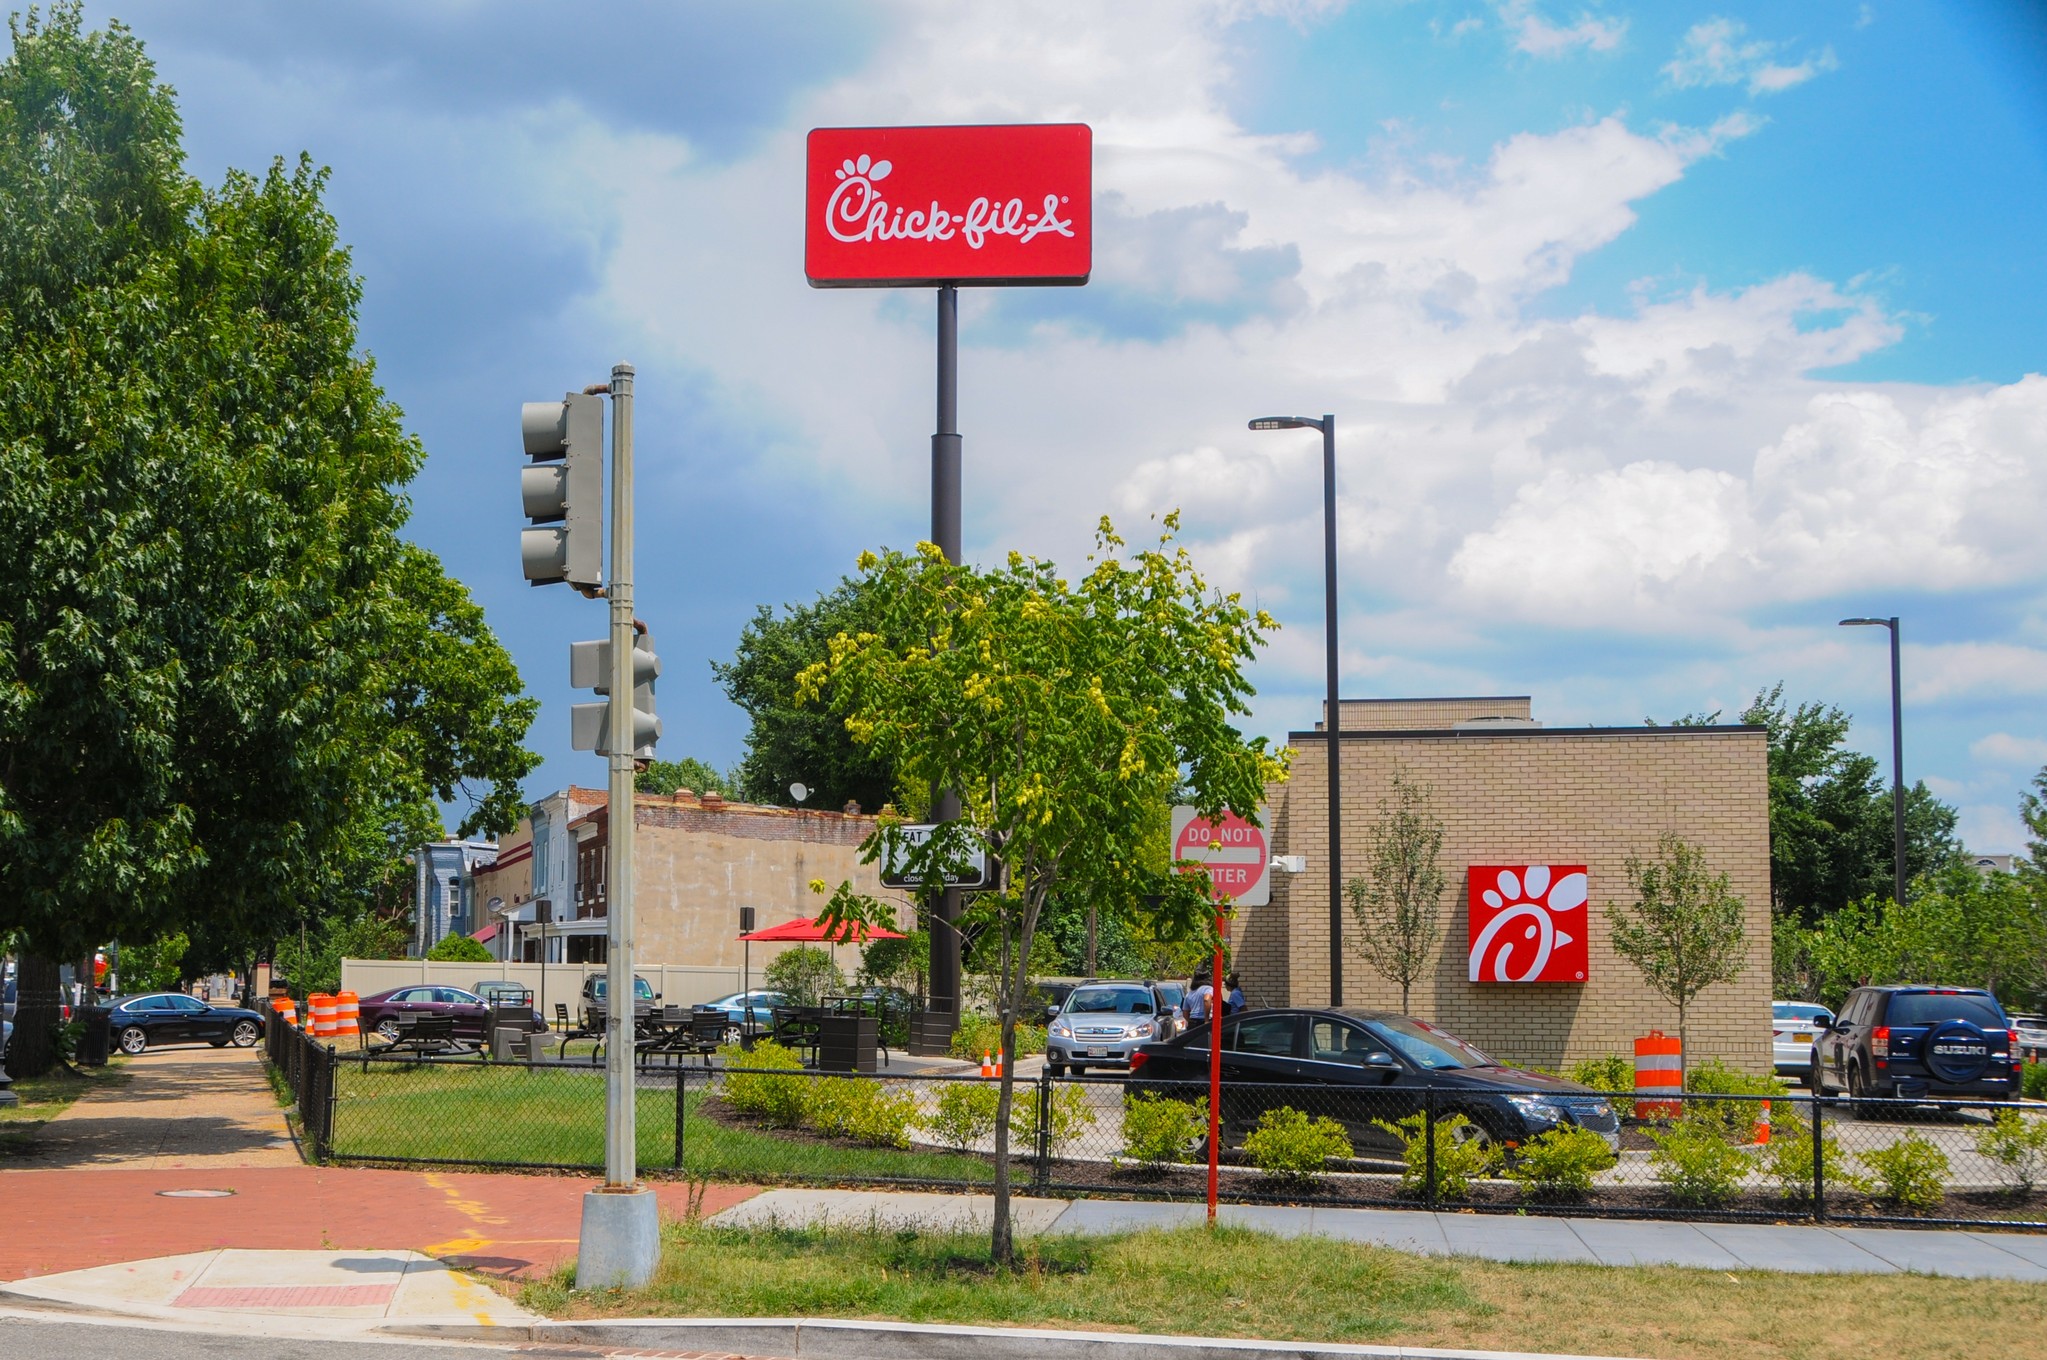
941, 207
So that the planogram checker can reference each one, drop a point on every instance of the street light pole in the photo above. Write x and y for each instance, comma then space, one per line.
1333, 718
1897, 756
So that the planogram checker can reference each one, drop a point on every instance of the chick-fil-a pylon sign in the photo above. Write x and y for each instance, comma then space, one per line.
916, 206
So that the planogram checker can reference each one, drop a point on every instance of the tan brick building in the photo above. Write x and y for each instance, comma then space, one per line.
1512, 792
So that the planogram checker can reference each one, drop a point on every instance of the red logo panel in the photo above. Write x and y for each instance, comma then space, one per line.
1529, 923
917, 206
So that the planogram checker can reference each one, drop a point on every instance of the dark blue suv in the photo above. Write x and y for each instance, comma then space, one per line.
1918, 1043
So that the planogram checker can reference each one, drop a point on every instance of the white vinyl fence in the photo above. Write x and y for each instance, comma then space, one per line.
679, 984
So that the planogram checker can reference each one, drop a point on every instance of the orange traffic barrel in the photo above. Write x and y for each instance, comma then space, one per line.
321, 1006
285, 1010
347, 1015
1658, 1072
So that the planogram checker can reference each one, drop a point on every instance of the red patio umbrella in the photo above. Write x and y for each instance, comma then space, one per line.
809, 931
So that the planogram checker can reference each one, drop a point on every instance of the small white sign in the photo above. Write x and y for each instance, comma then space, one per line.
895, 875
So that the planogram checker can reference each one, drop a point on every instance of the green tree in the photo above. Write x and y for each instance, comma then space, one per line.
224, 676
459, 949
804, 974
1068, 713
791, 741
1831, 837
152, 967
316, 966
1684, 930
2033, 810
1961, 928
903, 963
1398, 901
666, 776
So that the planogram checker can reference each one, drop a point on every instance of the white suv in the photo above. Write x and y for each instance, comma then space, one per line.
1793, 1027
1103, 1023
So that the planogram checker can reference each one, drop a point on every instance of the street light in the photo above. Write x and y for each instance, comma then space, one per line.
1897, 755
1334, 721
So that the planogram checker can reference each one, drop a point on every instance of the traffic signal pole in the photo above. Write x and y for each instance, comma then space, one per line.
945, 533
620, 1241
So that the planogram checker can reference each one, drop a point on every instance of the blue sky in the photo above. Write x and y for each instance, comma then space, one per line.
1660, 336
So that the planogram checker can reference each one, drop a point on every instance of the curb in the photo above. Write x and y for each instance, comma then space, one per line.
832, 1339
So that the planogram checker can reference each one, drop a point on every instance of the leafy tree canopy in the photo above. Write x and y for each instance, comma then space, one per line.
459, 949
791, 741
227, 685
666, 776
1831, 840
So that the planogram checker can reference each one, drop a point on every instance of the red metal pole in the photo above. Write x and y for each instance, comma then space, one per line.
1215, 1068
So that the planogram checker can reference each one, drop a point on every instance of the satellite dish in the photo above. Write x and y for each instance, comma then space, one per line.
799, 792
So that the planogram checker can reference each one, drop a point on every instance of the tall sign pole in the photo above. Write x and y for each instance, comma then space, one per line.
945, 532
620, 1173
942, 207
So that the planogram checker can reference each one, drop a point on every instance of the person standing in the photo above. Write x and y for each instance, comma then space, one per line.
1233, 998
1200, 996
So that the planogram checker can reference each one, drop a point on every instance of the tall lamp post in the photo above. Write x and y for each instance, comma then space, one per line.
1333, 723
1897, 755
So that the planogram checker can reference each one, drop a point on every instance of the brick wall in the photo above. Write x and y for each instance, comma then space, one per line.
1530, 796
1412, 715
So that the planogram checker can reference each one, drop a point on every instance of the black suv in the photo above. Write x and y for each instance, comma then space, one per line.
1918, 1043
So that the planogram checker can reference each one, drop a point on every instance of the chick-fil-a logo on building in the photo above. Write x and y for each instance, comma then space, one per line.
914, 206
1528, 923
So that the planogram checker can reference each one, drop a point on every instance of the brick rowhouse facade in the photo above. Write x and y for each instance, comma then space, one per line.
1511, 792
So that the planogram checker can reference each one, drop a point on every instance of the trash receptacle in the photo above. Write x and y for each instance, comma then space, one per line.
847, 1042
508, 1043
97, 1042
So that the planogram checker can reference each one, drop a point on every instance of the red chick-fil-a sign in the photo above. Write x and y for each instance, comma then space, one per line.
918, 206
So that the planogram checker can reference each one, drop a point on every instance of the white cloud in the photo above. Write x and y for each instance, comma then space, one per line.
1719, 52
2002, 748
1973, 670
1538, 37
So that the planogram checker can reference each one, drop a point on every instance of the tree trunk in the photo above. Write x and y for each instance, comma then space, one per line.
34, 1050
1684, 1048
1090, 970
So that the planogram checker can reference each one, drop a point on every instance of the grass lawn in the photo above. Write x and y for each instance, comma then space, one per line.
555, 1116
44, 1098
1234, 1282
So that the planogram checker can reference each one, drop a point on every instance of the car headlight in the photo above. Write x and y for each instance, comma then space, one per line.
1537, 1109
1063, 1031
1141, 1031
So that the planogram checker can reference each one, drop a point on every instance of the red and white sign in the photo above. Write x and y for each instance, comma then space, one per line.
1236, 854
918, 206
1528, 923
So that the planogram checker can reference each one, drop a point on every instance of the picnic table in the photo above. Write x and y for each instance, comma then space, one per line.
424, 1034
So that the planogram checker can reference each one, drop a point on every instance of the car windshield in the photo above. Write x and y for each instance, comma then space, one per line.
1426, 1046
1791, 1011
1931, 1008
1109, 1001
642, 989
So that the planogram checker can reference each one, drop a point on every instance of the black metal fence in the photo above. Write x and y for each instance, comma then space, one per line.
1693, 1156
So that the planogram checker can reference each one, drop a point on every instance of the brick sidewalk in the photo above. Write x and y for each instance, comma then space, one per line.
504, 1225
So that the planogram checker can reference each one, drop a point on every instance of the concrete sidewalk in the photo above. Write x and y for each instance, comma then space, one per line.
1793, 1249
189, 1109
336, 1293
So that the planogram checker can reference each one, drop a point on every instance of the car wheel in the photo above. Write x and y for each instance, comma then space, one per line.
733, 1034
1858, 1093
134, 1039
1471, 1131
245, 1033
1815, 1080
388, 1030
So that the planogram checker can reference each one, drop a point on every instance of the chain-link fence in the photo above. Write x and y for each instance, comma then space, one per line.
1387, 1145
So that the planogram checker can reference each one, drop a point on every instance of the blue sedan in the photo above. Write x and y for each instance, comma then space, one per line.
145, 1022
744, 1008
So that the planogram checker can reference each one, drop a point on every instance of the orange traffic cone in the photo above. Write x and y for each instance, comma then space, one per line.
1763, 1127
998, 1065
986, 1070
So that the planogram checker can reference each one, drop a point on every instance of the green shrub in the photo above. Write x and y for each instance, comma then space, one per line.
862, 1110
1788, 1162
1911, 1174
804, 974
1460, 1157
2033, 1081
780, 1100
2016, 1148
1697, 1164
1159, 1131
1613, 1074
1737, 1118
1071, 1116
979, 1034
1287, 1145
459, 949
1560, 1164
965, 1113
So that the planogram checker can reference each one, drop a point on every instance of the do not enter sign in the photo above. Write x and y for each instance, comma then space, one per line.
1241, 868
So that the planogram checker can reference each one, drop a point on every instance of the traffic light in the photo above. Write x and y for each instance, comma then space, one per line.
590, 724
562, 491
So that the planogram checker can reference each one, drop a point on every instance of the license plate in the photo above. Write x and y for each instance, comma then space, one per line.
1098, 1053
1801, 1036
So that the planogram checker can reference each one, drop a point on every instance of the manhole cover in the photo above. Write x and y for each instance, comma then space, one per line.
195, 1194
